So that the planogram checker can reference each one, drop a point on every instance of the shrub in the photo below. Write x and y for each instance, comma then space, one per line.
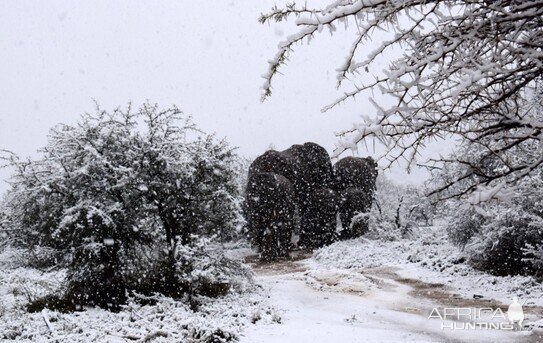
119, 193
210, 272
397, 209
503, 236
464, 225
501, 249
534, 255
205, 334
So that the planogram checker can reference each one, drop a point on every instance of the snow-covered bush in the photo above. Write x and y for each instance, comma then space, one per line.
534, 255
502, 247
503, 239
464, 225
119, 193
205, 334
500, 229
397, 209
208, 271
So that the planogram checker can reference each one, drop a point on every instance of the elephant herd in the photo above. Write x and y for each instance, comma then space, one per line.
298, 191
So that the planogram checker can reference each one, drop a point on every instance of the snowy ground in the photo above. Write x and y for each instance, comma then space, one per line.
386, 315
429, 257
374, 291
352, 291
165, 321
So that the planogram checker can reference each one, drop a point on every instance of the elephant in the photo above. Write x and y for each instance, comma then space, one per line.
320, 221
271, 209
313, 170
307, 166
354, 180
355, 172
273, 161
354, 203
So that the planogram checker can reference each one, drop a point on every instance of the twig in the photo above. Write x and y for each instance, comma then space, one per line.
47, 323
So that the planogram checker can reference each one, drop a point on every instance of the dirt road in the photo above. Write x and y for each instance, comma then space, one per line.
372, 305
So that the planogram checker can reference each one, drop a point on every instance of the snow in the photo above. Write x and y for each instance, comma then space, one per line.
359, 290
166, 320
347, 305
314, 316
485, 194
429, 256
109, 241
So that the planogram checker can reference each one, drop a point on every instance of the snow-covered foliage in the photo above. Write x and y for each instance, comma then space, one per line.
118, 194
488, 167
427, 256
463, 225
465, 69
501, 230
141, 319
397, 209
209, 271
503, 247
503, 237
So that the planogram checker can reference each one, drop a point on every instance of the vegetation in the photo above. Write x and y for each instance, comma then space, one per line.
123, 197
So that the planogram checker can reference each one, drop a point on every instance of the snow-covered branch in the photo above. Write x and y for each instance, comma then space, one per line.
468, 70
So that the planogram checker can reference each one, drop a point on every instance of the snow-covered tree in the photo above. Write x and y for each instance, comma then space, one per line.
120, 192
502, 232
397, 209
465, 69
4, 225
464, 224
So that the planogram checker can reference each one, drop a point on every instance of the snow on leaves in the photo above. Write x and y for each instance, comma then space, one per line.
116, 189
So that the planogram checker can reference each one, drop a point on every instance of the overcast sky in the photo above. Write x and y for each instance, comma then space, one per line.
207, 57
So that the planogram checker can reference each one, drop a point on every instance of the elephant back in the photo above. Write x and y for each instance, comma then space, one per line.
355, 172
313, 170
273, 161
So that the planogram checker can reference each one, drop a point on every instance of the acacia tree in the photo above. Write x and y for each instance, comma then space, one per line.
122, 194
466, 69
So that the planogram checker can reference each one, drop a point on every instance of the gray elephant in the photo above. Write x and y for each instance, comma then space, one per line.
320, 221
308, 168
354, 180
271, 210
354, 205
313, 170
273, 161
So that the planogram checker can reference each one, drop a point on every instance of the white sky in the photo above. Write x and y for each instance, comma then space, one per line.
207, 57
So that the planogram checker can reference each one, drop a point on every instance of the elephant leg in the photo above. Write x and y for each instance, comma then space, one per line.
282, 241
346, 233
329, 225
267, 246
305, 231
